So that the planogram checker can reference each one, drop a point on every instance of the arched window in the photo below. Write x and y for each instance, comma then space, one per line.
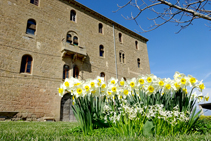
35, 2
31, 27
101, 50
102, 74
26, 64
69, 39
73, 15
138, 62
122, 57
75, 72
100, 28
136, 44
66, 69
75, 40
120, 37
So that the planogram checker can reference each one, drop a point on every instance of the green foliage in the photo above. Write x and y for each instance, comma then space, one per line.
148, 129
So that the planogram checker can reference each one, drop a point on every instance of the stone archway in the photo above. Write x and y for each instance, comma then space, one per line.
66, 111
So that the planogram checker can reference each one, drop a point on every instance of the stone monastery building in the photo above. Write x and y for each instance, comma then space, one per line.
42, 42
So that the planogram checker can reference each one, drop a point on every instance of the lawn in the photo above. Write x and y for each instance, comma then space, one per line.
20, 131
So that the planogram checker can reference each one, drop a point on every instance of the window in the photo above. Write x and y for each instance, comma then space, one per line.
35, 2
31, 27
102, 74
136, 44
100, 28
75, 72
73, 15
69, 39
120, 37
66, 71
138, 62
125, 78
26, 64
101, 49
75, 40
121, 57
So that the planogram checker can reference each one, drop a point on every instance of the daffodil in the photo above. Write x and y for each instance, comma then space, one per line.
206, 98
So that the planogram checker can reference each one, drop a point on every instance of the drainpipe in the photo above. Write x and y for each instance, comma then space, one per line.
115, 52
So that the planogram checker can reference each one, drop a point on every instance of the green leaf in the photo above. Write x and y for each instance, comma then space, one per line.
148, 129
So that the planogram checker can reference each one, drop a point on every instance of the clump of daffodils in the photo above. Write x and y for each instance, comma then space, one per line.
149, 84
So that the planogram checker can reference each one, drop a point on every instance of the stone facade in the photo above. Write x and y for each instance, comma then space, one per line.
34, 95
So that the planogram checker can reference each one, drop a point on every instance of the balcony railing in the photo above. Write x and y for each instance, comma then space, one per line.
70, 49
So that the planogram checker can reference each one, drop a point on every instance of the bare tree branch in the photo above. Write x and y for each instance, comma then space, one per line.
183, 13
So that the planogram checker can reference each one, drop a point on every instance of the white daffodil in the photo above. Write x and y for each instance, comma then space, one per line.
141, 81
160, 83
112, 81
168, 85
151, 78
103, 88
200, 86
194, 95
206, 98
61, 90
200, 97
122, 82
178, 75
192, 81
132, 83
93, 83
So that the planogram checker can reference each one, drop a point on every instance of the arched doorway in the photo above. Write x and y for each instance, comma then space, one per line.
66, 111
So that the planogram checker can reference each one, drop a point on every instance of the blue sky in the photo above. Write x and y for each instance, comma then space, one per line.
188, 52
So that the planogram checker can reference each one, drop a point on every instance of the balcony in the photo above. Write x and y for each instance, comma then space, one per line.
73, 50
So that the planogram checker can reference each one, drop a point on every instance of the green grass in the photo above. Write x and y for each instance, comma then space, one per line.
21, 131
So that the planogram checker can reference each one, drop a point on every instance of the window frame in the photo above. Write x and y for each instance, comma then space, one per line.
73, 15
31, 28
138, 63
35, 2
120, 38
100, 28
66, 71
25, 64
76, 69
101, 50
103, 76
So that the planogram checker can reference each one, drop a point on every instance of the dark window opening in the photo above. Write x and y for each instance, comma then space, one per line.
138, 62
66, 71
26, 64
101, 50
136, 44
72, 15
75, 72
100, 28
75, 40
69, 39
123, 58
120, 56
35, 2
31, 27
120, 37
102, 74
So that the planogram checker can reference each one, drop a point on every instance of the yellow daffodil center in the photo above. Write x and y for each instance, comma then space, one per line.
151, 89
141, 81
207, 98
120, 97
176, 85
201, 86
77, 84
87, 88
183, 80
109, 93
113, 89
161, 83
113, 82
185, 90
193, 80
92, 84
132, 84
98, 83
93, 92
60, 90
66, 84
168, 86
103, 86
99, 80
125, 92
122, 83
73, 97
79, 91
149, 79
